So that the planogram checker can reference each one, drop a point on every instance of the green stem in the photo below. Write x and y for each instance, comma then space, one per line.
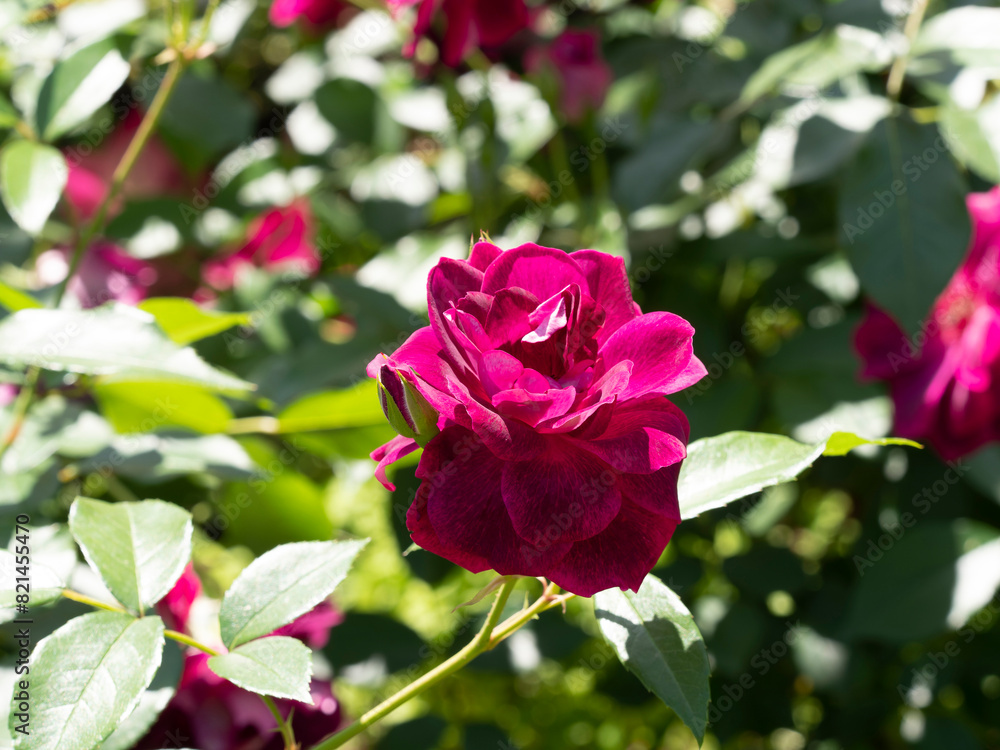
264, 425
121, 173
894, 85
187, 640
283, 726
119, 491
21, 407
482, 642
546, 601
560, 161
76, 596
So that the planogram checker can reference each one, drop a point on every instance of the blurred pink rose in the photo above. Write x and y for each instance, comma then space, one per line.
211, 713
156, 172
8, 392
317, 15
945, 380
468, 24
278, 239
582, 76
106, 273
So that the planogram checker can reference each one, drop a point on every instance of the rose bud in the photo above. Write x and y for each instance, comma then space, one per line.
407, 411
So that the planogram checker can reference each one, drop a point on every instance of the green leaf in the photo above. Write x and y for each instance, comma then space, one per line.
974, 136
205, 118
9, 116
820, 61
152, 702
144, 407
903, 218
45, 584
32, 177
842, 443
184, 322
279, 586
350, 106
154, 458
78, 86
277, 666
809, 141
110, 340
970, 34
139, 549
14, 299
334, 410
86, 678
919, 578
726, 467
657, 640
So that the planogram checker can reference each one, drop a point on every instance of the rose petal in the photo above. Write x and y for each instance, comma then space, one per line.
656, 492
447, 283
644, 435
460, 502
598, 563
389, 453
540, 270
882, 344
508, 318
532, 407
498, 371
563, 489
482, 254
608, 284
658, 345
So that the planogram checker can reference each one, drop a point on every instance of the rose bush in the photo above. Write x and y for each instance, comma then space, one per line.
215, 714
944, 379
279, 239
557, 444
466, 24
582, 76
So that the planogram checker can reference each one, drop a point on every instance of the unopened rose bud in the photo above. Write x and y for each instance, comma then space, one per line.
408, 412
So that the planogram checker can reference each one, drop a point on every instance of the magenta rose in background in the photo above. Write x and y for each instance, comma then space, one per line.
317, 15
210, 713
467, 24
106, 273
945, 380
279, 239
582, 76
558, 453
156, 172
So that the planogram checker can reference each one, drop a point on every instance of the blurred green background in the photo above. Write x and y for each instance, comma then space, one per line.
723, 175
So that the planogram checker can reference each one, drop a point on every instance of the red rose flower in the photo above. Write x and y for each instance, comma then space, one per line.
106, 273
279, 239
468, 24
581, 74
558, 453
945, 382
318, 15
